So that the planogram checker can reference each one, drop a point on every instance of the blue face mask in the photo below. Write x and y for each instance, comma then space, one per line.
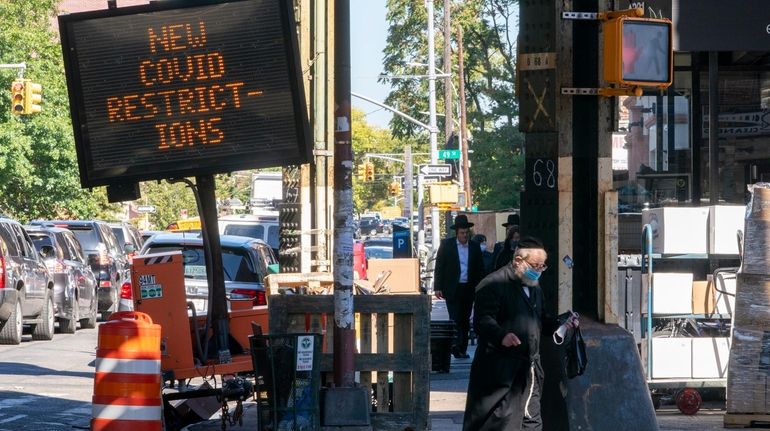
514, 244
532, 274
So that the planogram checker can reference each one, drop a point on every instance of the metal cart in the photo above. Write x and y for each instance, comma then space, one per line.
685, 390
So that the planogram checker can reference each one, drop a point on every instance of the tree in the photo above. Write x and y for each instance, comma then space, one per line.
490, 76
38, 166
372, 196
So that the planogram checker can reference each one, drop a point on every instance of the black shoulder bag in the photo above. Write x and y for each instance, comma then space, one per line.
575, 355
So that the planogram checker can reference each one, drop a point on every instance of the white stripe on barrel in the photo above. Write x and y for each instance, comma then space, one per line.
128, 366
130, 413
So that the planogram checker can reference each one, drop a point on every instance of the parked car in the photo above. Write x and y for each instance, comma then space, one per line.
129, 238
369, 225
246, 262
106, 258
26, 287
262, 226
74, 284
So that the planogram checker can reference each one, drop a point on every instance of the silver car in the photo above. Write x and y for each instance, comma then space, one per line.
26, 287
246, 262
75, 299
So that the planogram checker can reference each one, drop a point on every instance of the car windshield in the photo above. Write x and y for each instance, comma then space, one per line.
237, 264
379, 253
86, 236
385, 241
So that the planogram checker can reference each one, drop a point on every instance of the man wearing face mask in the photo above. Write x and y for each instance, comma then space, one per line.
506, 376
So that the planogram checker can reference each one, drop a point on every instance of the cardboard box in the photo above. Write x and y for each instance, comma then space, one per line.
671, 358
724, 223
404, 277
709, 357
671, 293
703, 298
678, 230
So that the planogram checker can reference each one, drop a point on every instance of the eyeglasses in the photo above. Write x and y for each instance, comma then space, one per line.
540, 267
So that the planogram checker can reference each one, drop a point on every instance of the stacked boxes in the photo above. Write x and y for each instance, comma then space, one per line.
749, 368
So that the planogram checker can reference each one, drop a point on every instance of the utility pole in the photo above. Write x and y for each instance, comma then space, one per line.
448, 126
408, 184
344, 332
435, 234
465, 163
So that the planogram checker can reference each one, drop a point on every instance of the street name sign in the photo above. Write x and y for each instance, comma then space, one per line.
175, 89
449, 154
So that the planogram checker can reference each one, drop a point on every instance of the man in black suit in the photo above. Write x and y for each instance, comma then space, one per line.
459, 268
503, 253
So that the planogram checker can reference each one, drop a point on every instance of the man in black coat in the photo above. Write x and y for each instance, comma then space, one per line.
506, 376
503, 252
459, 268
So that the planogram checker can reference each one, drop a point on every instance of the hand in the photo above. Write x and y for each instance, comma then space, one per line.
438, 294
573, 321
510, 339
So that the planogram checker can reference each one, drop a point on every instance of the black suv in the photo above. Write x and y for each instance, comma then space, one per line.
26, 287
105, 256
74, 282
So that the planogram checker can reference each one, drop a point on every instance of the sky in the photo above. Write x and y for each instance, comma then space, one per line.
369, 30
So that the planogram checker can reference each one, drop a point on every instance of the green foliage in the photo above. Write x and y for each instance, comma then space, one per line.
38, 167
490, 75
371, 196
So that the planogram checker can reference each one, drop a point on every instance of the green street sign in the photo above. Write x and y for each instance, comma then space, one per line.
449, 154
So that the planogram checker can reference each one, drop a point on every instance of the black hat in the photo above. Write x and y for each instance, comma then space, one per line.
461, 222
531, 242
513, 220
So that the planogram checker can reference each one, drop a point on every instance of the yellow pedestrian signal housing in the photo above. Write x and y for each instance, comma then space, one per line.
17, 97
33, 97
369, 171
638, 52
394, 188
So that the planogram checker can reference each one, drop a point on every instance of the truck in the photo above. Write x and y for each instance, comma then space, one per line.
266, 191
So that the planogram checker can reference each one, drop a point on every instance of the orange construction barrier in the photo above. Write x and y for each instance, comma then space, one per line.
127, 394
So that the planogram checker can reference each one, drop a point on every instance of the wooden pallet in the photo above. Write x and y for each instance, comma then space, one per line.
746, 420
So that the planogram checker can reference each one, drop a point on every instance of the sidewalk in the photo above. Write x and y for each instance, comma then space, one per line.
447, 402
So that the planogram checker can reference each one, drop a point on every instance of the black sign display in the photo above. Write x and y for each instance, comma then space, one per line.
184, 88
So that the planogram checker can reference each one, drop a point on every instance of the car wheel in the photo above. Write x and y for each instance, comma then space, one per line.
90, 321
44, 330
11, 331
68, 326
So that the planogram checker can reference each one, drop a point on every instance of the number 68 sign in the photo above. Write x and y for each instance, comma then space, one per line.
541, 174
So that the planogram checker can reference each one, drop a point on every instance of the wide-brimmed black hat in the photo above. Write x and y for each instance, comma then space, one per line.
461, 222
513, 220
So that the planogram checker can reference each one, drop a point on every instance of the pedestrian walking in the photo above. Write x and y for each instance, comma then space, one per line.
459, 268
486, 255
506, 376
503, 253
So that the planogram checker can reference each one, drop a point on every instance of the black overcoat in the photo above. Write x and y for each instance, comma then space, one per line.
446, 275
502, 307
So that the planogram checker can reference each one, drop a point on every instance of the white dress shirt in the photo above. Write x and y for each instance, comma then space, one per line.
462, 251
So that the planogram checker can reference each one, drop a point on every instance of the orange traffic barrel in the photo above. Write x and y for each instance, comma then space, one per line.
127, 393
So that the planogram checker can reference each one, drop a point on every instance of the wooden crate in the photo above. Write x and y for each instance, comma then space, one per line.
408, 358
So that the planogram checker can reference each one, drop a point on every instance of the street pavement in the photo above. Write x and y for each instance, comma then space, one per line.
447, 403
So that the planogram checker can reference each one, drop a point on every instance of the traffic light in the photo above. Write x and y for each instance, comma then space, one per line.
32, 97
638, 52
17, 97
369, 171
394, 188
361, 175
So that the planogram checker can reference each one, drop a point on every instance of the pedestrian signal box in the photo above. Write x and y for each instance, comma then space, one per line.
638, 52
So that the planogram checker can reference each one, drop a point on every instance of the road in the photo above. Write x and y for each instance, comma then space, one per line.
47, 385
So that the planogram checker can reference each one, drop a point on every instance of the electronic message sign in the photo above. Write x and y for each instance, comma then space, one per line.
184, 88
